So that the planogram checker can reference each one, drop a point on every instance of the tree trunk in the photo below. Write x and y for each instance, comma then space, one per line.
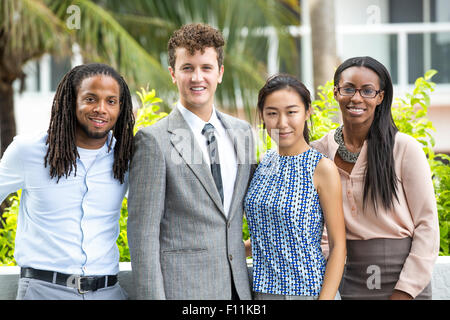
7, 119
7, 124
10, 70
8, 73
323, 40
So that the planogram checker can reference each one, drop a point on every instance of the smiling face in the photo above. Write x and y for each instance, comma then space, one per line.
355, 109
97, 110
284, 115
196, 77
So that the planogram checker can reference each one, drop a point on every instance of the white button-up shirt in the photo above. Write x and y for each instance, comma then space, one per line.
227, 153
70, 226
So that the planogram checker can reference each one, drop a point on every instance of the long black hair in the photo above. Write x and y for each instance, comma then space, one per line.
62, 150
285, 81
380, 180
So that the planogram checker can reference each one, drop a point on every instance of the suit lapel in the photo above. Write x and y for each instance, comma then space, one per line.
239, 143
184, 142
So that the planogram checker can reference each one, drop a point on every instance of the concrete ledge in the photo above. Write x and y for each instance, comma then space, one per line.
9, 277
440, 281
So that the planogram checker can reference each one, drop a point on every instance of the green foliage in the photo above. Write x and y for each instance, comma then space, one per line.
245, 232
325, 112
441, 182
148, 114
8, 231
263, 142
122, 240
410, 112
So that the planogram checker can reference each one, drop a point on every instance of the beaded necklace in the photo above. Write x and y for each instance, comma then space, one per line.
345, 155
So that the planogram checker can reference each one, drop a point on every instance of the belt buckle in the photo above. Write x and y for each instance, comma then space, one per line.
78, 280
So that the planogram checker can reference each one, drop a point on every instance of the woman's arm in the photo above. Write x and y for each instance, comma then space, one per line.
328, 185
416, 181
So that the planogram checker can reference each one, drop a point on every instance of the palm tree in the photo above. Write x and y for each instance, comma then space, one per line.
31, 28
132, 37
244, 25
323, 40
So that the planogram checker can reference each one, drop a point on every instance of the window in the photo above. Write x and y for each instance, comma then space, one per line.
425, 50
58, 68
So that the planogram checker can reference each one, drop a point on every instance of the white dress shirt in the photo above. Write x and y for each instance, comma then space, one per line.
70, 226
227, 153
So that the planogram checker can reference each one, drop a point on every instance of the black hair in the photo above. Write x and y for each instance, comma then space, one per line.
285, 81
62, 150
380, 180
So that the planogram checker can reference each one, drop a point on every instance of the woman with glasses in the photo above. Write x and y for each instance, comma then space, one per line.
388, 197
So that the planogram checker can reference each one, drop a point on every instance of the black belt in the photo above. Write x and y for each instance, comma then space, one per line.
82, 283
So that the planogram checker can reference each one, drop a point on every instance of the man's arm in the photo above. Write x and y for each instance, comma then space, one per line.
145, 209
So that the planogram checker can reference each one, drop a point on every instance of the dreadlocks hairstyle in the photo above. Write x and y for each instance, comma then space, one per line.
381, 180
62, 150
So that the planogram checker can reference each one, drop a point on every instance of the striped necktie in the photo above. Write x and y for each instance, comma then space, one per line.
208, 132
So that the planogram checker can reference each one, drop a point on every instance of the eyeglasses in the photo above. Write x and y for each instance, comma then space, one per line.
364, 92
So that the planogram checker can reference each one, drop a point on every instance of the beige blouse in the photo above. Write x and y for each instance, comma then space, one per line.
414, 215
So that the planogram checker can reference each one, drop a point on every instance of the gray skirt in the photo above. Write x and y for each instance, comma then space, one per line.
373, 268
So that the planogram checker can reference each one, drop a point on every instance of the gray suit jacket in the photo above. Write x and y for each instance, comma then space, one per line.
182, 245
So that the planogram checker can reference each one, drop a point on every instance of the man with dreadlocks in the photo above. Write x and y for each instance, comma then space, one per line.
73, 179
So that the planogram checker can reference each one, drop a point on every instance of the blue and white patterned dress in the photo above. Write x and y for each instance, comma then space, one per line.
285, 223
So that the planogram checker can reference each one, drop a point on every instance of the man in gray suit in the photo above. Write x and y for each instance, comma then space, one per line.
188, 179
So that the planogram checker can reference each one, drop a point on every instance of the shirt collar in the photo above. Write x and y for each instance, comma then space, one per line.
110, 141
195, 123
